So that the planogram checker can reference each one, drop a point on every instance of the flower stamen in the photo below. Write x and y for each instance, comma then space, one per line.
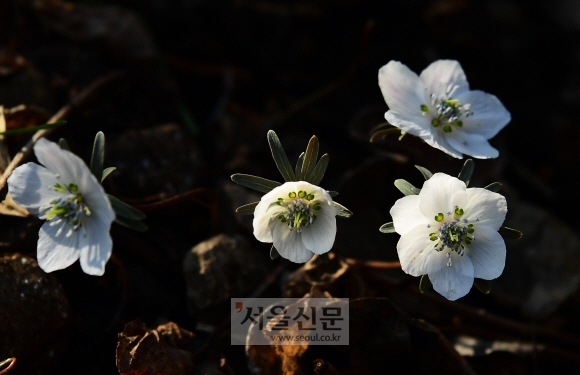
449, 110
69, 209
453, 234
299, 211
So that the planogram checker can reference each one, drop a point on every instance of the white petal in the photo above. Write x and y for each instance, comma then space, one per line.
264, 215
319, 236
29, 186
471, 144
96, 245
416, 125
416, 251
407, 215
437, 194
95, 196
404, 93
489, 115
63, 163
442, 74
289, 244
56, 253
485, 207
437, 140
487, 253
454, 281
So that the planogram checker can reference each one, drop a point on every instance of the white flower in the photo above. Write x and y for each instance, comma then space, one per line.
299, 218
439, 108
78, 213
450, 233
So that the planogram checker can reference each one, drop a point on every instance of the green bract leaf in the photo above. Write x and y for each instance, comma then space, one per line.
426, 173
298, 170
387, 228
107, 172
509, 233
280, 157
495, 186
274, 253
62, 143
318, 171
406, 187
342, 211
124, 210
254, 182
247, 209
131, 224
424, 284
98, 156
482, 285
33, 129
310, 158
466, 171
383, 133
332, 193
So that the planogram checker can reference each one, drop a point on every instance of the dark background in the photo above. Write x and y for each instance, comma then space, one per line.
199, 83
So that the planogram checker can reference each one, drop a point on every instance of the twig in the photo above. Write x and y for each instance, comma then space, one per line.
375, 264
76, 102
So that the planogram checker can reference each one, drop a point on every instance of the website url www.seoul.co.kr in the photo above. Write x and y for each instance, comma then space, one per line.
305, 338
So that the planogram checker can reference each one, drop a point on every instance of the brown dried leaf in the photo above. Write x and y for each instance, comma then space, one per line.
141, 351
334, 275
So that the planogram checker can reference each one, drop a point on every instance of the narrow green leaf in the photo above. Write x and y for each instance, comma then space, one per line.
274, 253
332, 193
310, 158
33, 129
426, 173
318, 171
255, 182
495, 186
482, 285
509, 233
62, 143
98, 156
383, 133
387, 228
131, 224
280, 157
124, 210
406, 187
342, 211
107, 172
247, 209
424, 284
466, 171
298, 170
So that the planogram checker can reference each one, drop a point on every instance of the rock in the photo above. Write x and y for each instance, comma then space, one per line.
221, 268
34, 314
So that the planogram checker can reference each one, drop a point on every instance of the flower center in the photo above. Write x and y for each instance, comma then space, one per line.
69, 209
454, 233
449, 110
299, 210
